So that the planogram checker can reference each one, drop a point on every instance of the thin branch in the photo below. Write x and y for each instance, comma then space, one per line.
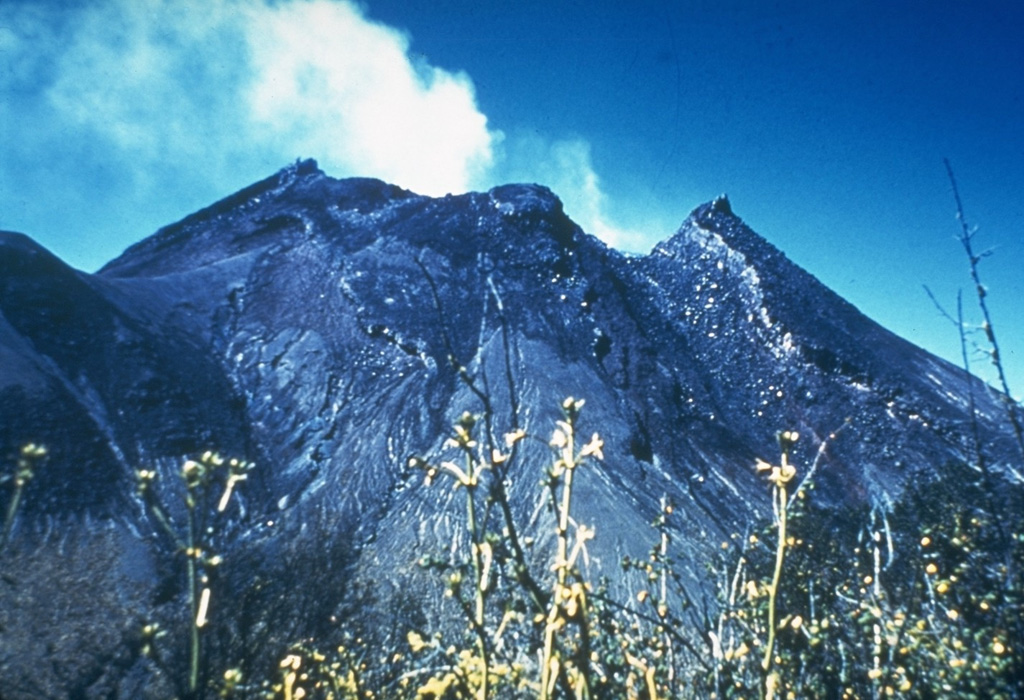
966, 240
498, 492
942, 310
819, 456
698, 655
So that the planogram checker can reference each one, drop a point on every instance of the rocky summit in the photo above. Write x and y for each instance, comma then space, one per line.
324, 331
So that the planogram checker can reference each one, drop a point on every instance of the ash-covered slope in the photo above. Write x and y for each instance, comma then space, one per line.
314, 326
92, 375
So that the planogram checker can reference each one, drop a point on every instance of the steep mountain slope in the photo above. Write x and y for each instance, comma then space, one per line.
317, 327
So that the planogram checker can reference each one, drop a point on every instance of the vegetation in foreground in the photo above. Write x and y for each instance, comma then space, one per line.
878, 610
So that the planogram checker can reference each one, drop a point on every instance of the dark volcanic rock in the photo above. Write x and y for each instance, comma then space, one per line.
309, 325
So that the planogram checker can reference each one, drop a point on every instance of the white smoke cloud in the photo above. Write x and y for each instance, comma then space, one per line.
566, 166
225, 81
345, 89
176, 97
156, 79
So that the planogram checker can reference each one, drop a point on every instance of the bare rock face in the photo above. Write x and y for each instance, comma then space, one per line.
317, 327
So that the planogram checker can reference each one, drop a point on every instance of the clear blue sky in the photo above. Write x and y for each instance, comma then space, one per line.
825, 122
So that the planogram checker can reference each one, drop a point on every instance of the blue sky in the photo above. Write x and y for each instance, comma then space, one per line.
825, 122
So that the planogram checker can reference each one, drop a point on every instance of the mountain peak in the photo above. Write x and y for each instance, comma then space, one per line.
712, 215
20, 254
532, 198
256, 216
720, 205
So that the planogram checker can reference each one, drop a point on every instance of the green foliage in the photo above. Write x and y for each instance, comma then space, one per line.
194, 540
923, 599
30, 457
496, 597
875, 608
891, 610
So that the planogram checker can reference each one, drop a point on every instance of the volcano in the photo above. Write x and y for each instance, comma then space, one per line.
326, 330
